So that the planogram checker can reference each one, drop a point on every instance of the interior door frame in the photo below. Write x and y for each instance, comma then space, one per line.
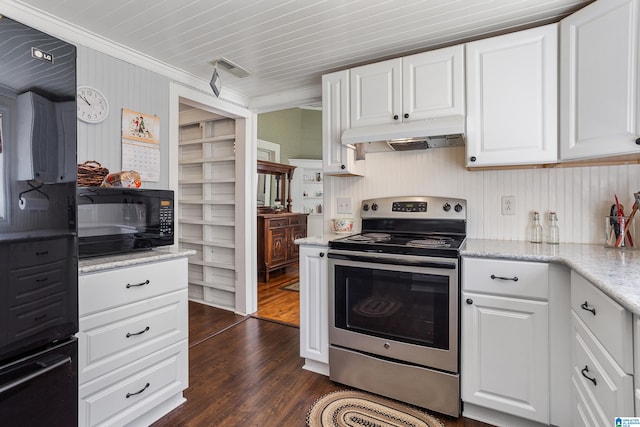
246, 283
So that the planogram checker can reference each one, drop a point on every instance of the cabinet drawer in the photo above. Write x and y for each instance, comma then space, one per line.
611, 388
300, 219
30, 284
501, 277
280, 222
33, 253
123, 395
119, 336
109, 289
608, 320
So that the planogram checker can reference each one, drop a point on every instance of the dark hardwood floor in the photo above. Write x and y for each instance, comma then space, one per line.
246, 371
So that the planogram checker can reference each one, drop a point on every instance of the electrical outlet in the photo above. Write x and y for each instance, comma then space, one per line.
344, 205
508, 205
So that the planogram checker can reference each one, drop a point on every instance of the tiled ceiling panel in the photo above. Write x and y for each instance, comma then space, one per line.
288, 45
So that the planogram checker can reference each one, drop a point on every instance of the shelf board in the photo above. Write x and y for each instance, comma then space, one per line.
218, 243
207, 181
313, 198
222, 265
220, 138
225, 159
206, 202
206, 222
211, 285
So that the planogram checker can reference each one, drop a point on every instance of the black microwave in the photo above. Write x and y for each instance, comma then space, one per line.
117, 220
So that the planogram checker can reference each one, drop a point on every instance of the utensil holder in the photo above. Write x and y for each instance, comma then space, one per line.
620, 232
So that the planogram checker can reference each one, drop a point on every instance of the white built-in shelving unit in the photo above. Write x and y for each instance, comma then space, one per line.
307, 192
207, 180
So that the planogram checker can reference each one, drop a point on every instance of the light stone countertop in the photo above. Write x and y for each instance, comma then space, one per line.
320, 240
614, 271
93, 265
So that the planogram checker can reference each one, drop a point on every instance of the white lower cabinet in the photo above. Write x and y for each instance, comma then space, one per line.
505, 338
314, 308
601, 356
132, 343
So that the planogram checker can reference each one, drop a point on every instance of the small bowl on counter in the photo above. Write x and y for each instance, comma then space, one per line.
342, 225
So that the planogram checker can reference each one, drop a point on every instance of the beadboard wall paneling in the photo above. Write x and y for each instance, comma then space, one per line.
581, 196
125, 86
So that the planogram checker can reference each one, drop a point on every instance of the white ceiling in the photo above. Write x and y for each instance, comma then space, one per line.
287, 45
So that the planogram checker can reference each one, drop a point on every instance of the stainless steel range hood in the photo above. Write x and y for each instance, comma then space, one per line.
420, 135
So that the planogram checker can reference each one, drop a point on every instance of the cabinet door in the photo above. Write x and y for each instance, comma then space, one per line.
505, 355
298, 232
314, 316
512, 83
599, 83
376, 93
433, 84
278, 240
337, 159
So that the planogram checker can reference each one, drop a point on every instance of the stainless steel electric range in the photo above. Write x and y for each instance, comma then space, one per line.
394, 301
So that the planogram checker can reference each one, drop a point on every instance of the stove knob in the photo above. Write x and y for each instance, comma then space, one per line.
374, 206
446, 207
365, 207
458, 207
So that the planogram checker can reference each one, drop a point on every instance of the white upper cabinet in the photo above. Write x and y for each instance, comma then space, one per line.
433, 84
599, 80
416, 87
337, 159
376, 93
512, 98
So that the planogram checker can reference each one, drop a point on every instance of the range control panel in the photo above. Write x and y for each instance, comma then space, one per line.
409, 207
414, 207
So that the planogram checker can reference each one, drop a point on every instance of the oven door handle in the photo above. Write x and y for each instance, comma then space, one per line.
394, 261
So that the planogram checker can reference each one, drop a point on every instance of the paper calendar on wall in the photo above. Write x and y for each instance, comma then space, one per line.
141, 144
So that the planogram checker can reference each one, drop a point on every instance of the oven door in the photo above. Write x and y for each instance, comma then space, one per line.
396, 306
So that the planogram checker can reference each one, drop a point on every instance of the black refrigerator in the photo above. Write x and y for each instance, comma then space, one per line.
38, 231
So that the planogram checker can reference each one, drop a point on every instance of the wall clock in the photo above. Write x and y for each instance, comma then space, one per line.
93, 106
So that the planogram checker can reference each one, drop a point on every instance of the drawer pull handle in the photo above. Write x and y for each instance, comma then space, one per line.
586, 369
130, 334
146, 282
42, 253
514, 278
146, 386
585, 306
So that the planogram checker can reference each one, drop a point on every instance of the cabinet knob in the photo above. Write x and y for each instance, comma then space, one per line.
469, 301
321, 254
638, 141
473, 158
396, 117
406, 115
343, 167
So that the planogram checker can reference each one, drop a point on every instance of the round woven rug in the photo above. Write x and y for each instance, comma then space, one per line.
350, 408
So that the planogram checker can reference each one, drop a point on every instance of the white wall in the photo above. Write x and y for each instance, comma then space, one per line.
581, 196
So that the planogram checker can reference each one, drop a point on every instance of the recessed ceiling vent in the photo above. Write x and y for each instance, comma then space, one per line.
231, 67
